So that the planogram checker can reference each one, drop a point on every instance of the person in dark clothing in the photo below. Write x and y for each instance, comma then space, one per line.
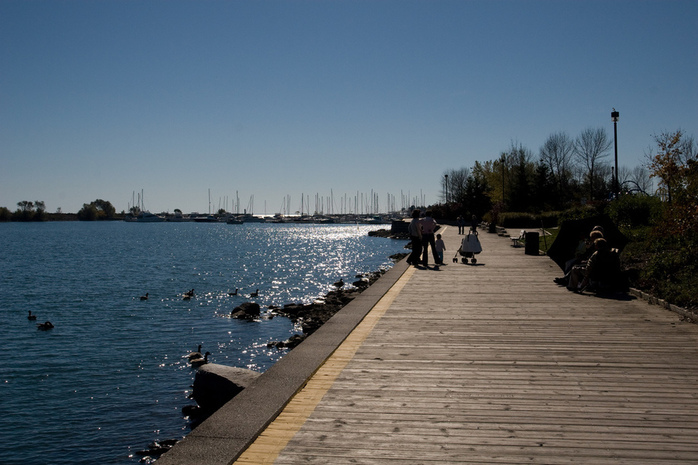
415, 232
428, 239
602, 270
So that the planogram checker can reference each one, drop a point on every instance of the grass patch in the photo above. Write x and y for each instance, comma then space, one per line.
544, 242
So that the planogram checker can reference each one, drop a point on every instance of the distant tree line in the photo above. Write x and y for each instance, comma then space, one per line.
26, 211
36, 211
566, 172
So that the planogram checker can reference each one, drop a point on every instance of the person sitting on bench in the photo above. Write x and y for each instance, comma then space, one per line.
601, 273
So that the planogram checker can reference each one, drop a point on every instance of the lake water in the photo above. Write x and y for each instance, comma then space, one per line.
110, 377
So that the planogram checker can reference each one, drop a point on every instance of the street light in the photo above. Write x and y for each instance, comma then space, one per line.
614, 118
446, 188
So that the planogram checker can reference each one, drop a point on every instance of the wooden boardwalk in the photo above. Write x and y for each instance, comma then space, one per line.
495, 364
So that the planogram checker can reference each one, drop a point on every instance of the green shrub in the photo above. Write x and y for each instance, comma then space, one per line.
632, 211
528, 220
550, 218
581, 212
518, 220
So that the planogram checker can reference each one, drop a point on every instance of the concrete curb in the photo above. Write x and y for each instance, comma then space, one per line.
649, 298
228, 432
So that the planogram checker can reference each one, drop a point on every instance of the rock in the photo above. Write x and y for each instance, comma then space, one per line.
312, 316
215, 384
246, 311
191, 410
398, 230
155, 450
289, 343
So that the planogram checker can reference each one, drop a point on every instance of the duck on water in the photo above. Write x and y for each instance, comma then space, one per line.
45, 326
197, 362
194, 355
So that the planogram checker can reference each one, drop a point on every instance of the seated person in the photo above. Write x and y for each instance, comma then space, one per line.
602, 270
582, 253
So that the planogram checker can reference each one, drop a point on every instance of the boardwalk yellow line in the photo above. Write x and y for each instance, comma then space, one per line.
266, 448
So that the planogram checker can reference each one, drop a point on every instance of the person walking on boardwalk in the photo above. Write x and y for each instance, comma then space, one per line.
440, 247
428, 228
461, 224
415, 232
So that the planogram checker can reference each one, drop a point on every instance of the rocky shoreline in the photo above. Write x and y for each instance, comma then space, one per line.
312, 316
214, 384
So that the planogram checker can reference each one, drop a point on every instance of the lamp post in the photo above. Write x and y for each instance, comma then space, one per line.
614, 118
446, 188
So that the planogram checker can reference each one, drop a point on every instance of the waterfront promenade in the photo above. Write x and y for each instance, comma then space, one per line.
481, 364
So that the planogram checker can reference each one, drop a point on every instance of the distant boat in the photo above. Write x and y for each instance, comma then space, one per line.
206, 219
178, 217
234, 220
320, 219
249, 218
147, 217
375, 220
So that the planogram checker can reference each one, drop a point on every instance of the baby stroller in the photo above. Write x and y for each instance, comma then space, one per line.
469, 247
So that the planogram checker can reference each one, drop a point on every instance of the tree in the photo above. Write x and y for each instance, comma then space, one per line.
673, 263
97, 210
104, 208
636, 180
26, 206
26, 212
39, 215
88, 212
590, 147
454, 186
676, 167
544, 189
557, 153
671, 163
518, 171
478, 191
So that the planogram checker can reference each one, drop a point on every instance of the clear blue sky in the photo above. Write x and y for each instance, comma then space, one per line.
100, 99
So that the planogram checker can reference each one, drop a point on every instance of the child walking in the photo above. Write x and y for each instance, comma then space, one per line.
440, 247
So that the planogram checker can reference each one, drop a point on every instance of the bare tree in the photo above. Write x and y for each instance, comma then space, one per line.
455, 185
557, 154
635, 180
590, 147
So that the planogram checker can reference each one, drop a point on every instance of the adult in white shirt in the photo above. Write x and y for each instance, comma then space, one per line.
428, 228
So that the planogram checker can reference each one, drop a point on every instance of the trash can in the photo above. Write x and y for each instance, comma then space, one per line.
531, 243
